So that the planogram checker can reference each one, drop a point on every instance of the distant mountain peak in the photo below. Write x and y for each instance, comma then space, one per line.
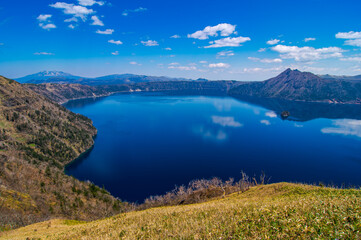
290, 71
46, 75
52, 74
295, 75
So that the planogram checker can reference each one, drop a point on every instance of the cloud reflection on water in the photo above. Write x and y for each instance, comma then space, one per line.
211, 134
347, 127
226, 121
271, 114
265, 122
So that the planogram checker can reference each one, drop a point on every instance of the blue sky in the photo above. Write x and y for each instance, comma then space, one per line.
240, 40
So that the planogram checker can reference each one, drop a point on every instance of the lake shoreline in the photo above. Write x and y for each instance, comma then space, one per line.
331, 102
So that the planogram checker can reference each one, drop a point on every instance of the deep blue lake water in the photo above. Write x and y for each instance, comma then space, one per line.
147, 144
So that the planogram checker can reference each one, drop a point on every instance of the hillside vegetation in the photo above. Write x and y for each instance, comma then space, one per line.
37, 139
62, 93
276, 211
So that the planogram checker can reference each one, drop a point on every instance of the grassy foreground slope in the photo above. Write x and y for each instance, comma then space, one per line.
280, 211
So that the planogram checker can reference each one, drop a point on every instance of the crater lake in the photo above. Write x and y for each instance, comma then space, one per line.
148, 143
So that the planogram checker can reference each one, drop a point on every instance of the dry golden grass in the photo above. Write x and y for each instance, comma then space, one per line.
275, 211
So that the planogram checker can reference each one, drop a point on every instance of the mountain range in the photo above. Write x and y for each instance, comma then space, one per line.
63, 77
67, 78
291, 85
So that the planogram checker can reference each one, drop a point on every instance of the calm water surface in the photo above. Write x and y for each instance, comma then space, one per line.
147, 144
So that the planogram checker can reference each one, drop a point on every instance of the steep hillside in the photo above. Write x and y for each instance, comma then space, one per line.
64, 92
276, 211
37, 139
302, 86
129, 79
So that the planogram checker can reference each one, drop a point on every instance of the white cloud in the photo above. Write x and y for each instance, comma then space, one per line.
173, 64
75, 10
71, 26
127, 11
224, 29
219, 65
353, 42
44, 21
203, 62
96, 21
309, 39
168, 49
265, 60
273, 41
183, 68
225, 54
258, 69
47, 26
175, 36
72, 19
44, 17
252, 70
273, 60
351, 59
150, 43
307, 53
134, 63
262, 49
354, 38
90, 2
271, 114
347, 127
118, 42
115, 53
265, 122
226, 121
44, 53
228, 42
106, 32
349, 35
